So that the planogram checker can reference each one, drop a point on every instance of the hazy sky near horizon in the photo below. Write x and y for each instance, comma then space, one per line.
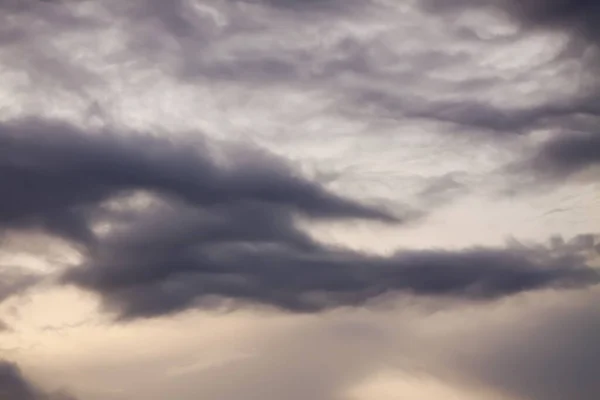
299, 199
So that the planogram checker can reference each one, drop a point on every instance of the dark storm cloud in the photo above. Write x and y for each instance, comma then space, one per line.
199, 56
443, 190
582, 17
55, 177
576, 145
155, 268
228, 230
329, 6
223, 228
29, 31
15, 386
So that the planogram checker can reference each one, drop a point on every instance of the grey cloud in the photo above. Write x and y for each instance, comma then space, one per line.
442, 190
59, 179
577, 18
230, 234
226, 229
29, 34
578, 112
15, 386
321, 65
58, 176
316, 64
478, 115
226, 235
256, 253
171, 15
566, 157
199, 54
580, 15
299, 4
224, 259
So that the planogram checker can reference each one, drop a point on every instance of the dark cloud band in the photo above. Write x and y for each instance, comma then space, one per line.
223, 227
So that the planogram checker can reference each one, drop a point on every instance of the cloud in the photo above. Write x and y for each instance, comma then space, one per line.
70, 173
14, 386
165, 225
222, 225
568, 154
167, 261
580, 15
249, 201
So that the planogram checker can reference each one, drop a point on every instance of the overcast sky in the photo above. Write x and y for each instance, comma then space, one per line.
299, 199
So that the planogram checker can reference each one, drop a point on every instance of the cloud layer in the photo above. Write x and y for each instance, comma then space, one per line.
192, 155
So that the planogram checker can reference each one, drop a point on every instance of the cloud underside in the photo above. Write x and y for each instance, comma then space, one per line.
222, 224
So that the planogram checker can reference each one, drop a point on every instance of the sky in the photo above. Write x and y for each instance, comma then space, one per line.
299, 199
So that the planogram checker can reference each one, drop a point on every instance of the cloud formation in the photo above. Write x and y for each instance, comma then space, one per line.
55, 175
15, 386
452, 97
580, 16
167, 265
223, 227
568, 154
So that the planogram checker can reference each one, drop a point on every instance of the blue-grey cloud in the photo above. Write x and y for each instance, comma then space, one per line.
223, 229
